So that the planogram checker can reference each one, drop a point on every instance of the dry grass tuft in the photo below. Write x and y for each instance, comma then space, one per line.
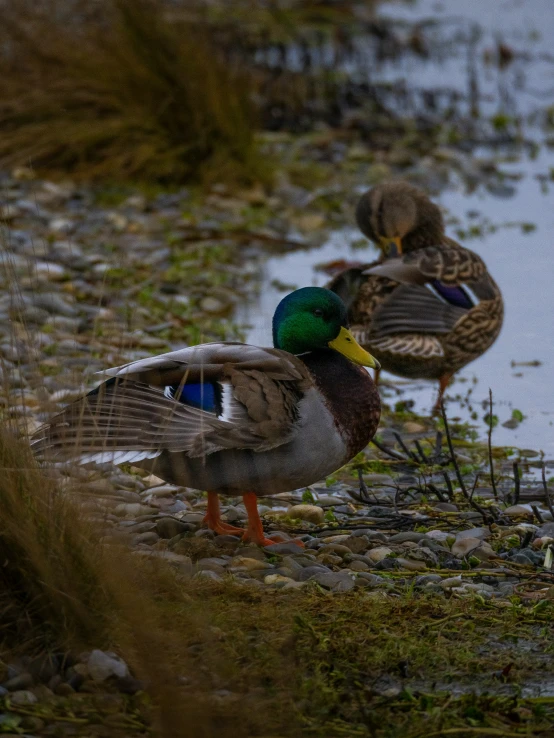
60, 590
118, 91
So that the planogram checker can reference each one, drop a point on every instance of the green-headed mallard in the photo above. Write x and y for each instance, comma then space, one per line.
232, 418
428, 306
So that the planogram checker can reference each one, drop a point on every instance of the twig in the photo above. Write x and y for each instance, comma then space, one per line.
491, 465
474, 486
438, 446
389, 451
539, 517
364, 492
448, 483
517, 484
487, 517
546, 491
208, 234
452, 454
421, 452
436, 491
404, 448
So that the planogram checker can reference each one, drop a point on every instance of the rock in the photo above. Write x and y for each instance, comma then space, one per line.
103, 665
440, 535
208, 574
277, 580
171, 527
359, 566
411, 427
451, 582
356, 544
283, 548
19, 682
411, 565
378, 554
309, 513
339, 581
248, 564
407, 536
480, 533
515, 510
310, 571
23, 697
147, 538
546, 530
445, 507
465, 546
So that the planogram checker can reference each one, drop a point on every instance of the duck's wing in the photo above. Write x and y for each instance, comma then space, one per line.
437, 286
197, 400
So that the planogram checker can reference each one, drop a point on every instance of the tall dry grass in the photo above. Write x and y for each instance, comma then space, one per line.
60, 589
118, 90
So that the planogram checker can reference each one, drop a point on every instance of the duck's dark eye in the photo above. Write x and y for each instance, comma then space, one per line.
318, 312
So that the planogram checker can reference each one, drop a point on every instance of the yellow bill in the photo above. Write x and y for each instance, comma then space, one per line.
386, 244
346, 344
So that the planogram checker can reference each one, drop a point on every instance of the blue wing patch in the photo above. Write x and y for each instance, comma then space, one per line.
453, 294
202, 395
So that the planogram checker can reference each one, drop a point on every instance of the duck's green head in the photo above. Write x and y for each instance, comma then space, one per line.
314, 318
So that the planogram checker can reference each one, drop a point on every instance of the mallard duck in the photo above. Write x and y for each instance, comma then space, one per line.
428, 306
233, 418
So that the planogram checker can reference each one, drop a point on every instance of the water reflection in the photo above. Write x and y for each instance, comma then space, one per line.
519, 366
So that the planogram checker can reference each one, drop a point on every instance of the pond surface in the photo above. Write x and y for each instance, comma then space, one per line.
521, 260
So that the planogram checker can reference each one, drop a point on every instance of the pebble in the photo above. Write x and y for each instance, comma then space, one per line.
309, 513
379, 553
102, 665
23, 697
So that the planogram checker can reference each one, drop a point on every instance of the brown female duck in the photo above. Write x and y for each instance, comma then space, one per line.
428, 306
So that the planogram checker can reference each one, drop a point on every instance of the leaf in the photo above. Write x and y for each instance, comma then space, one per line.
307, 497
518, 415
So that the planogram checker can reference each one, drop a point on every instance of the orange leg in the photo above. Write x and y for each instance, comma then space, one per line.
213, 518
443, 384
255, 532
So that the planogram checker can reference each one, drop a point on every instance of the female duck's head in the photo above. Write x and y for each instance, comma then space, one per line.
399, 218
314, 318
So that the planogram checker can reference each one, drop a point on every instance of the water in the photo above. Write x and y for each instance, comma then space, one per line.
521, 263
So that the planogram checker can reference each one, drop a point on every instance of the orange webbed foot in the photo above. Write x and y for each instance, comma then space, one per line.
213, 518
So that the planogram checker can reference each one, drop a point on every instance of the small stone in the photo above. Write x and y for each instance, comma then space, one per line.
359, 566
212, 305
208, 574
23, 697
407, 536
451, 582
445, 507
336, 581
310, 571
283, 548
19, 682
309, 513
278, 580
148, 538
481, 533
64, 690
356, 544
546, 530
411, 427
440, 535
102, 665
378, 554
250, 564
411, 565
515, 510
171, 527
465, 546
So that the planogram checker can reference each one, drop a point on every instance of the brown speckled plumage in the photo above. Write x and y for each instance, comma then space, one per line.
428, 311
